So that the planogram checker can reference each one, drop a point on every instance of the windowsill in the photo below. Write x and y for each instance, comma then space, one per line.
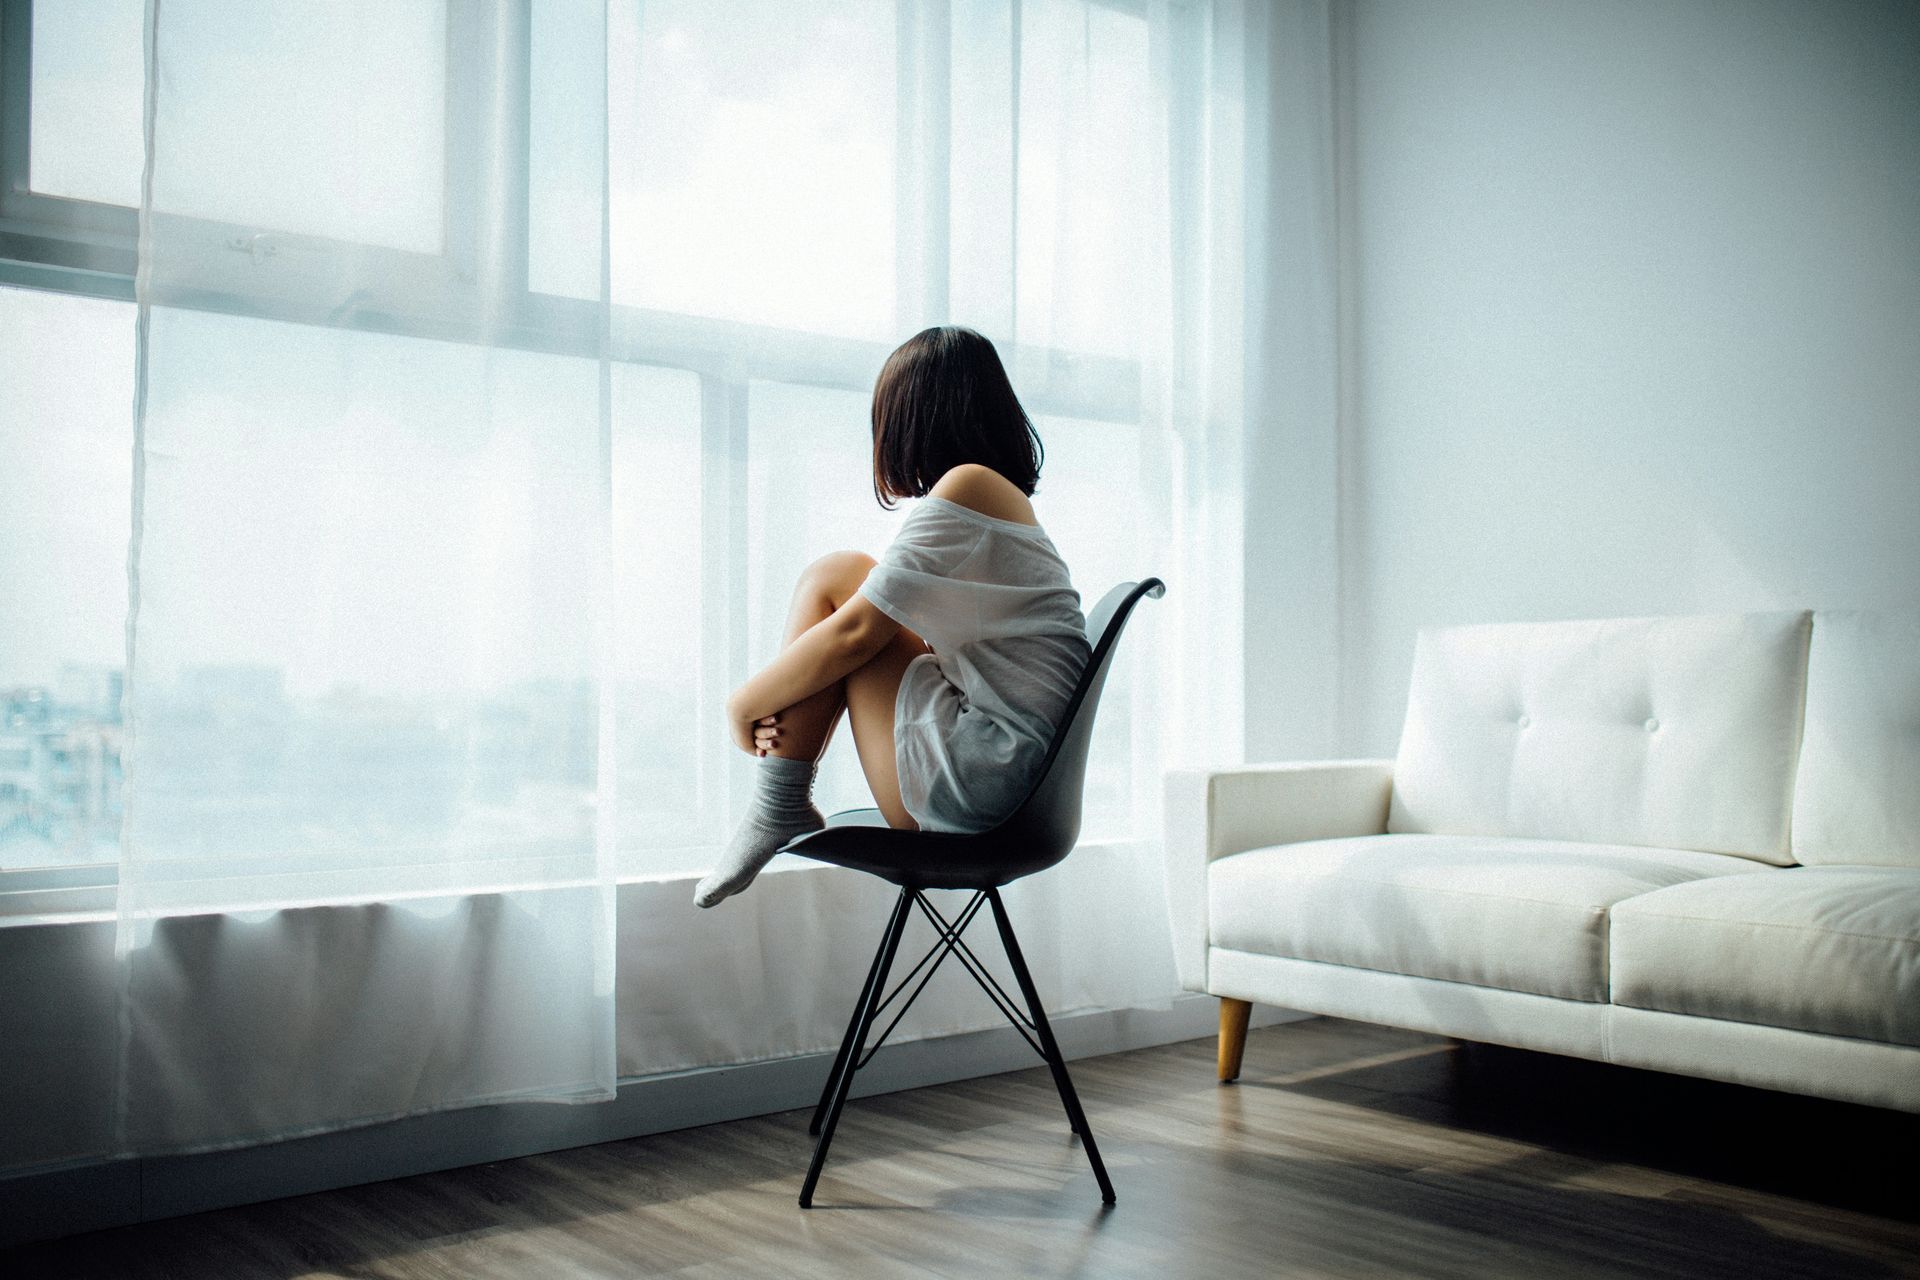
58, 895
86, 895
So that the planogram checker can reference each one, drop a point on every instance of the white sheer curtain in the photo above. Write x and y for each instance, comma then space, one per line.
370, 626
501, 366
796, 189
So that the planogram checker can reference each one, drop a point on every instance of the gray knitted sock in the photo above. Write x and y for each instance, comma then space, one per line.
782, 809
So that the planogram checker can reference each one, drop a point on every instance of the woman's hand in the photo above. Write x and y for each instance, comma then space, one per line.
753, 736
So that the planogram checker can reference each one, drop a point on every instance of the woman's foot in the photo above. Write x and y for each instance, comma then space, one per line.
782, 809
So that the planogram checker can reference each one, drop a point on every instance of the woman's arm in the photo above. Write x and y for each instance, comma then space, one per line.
850, 636
822, 655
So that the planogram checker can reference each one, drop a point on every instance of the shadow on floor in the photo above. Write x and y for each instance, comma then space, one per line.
1811, 1149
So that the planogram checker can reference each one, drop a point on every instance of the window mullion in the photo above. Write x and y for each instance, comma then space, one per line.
722, 591
16, 98
489, 83
924, 34
48, 242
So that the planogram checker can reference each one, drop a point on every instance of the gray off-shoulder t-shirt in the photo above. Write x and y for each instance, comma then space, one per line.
974, 718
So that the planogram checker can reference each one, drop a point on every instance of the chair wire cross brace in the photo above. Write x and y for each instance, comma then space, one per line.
949, 943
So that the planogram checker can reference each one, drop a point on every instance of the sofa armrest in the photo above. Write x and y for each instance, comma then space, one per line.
1211, 813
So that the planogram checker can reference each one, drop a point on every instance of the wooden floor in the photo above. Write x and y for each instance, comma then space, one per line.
1345, 1150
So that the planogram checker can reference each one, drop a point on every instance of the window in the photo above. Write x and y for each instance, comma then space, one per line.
284, 148
669, 680
86, 86
66, 464
781, 115
397, 653
1088, 462
794, 188
1087, 175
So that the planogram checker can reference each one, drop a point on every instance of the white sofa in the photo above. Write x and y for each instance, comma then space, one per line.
1691, 844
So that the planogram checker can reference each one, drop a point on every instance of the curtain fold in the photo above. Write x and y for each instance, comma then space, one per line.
370, 631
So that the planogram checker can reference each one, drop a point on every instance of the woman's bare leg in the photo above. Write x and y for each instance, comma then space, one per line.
868, 693
783, 806
807, 726
871, 691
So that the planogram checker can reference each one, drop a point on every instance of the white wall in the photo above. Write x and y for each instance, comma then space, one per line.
1291, 587
1635, 316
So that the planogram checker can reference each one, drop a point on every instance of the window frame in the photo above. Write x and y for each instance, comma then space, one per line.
88, 248
71, 246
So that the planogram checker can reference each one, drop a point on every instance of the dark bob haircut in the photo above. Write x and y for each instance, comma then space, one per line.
943, 399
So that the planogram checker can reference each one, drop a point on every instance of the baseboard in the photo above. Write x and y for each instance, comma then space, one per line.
43, 1204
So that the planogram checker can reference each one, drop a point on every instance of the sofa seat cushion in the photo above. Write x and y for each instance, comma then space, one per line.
1834, 950
1521, 915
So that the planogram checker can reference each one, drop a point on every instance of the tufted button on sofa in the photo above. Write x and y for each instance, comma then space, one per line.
1691, 844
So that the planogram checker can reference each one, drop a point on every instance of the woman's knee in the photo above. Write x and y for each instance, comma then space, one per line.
838, 573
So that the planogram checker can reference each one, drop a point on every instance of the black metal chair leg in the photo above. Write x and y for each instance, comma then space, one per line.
1076, 1115
846, 1042
870, 1007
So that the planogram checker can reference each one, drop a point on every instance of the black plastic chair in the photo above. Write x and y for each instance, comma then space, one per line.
1037, 835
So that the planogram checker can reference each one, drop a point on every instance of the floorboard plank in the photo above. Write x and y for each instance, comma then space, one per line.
1344, 1150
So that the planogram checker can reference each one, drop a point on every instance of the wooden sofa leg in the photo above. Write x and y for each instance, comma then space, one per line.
1233, 1036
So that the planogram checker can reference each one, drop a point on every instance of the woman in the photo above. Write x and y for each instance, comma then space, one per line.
954, 654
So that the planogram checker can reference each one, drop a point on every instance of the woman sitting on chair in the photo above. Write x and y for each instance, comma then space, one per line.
955, 654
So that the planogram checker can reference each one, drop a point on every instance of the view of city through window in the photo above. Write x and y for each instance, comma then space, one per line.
60, 770
65, 480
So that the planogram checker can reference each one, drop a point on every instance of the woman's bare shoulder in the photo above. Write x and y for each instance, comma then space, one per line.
985, 490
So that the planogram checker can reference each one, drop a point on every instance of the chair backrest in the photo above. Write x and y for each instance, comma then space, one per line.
1043, 829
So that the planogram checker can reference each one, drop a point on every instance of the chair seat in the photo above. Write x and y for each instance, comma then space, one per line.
857, 818
861, 840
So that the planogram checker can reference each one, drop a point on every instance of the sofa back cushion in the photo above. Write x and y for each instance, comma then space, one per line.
1674, 732
1857, 797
